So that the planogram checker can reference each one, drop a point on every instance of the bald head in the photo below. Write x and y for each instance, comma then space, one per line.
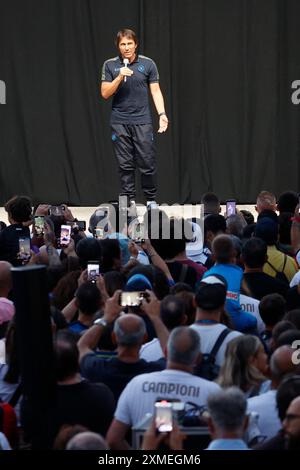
129, 330
281, 363
5, 278
87, 441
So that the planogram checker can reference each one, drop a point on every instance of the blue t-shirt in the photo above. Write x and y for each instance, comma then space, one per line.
243, 321
131, 101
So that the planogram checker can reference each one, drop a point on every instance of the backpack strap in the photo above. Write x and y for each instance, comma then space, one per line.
219, 342
16, 395
285, 258
273, 267
183, 272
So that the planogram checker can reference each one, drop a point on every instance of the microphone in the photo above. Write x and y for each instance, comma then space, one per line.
126, 62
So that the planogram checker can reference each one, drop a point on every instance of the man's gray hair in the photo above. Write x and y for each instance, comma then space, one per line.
183, 346
131, 337
87, 441
227, 408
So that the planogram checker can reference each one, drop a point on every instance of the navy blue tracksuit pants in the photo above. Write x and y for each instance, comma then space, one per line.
134, 148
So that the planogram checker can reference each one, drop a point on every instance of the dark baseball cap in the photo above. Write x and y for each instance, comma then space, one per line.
211, 293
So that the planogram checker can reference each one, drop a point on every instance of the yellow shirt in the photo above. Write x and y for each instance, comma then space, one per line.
276, 258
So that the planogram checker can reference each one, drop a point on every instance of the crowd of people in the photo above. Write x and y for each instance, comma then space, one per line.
169, 319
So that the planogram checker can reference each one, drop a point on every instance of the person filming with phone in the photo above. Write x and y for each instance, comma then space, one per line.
19, 209
129, 333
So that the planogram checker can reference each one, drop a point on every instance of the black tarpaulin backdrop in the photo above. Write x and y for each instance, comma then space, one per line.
226, 69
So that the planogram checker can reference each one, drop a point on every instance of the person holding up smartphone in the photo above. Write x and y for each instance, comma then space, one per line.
19, 209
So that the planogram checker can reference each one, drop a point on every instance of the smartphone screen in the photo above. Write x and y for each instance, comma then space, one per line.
81, 225
65, 235
39, 224
131, 299
24, 248
163, 416
93, 270
99, 233
138, 234
56, 210
230, 207
78, 226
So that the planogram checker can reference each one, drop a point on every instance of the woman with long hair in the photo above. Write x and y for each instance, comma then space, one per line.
245, 365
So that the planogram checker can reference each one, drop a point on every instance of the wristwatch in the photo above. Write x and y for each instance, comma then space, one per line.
101, 321
162, 114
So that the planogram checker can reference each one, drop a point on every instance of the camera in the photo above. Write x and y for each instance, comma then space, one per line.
163, 416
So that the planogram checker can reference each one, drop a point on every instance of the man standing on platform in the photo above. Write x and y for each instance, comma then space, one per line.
127, 78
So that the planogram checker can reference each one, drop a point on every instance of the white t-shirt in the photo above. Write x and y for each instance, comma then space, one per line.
265, 405
209, 335
151, 351
296, 279
250, 305
140, 394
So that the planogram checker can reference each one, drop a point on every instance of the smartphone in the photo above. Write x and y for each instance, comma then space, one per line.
81, 225
99, 233
131, 299
24, 248
138, 233
57, 210
39, 224
230, 207
163, 416
93, 270
78, 226
65, 235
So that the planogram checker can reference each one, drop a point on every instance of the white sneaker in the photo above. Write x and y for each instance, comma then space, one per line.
151, 205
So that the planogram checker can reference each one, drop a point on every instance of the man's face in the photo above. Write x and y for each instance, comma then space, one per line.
127, 48
291, 424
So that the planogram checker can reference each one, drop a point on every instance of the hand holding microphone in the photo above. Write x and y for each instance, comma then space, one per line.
125, 71
126, 62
